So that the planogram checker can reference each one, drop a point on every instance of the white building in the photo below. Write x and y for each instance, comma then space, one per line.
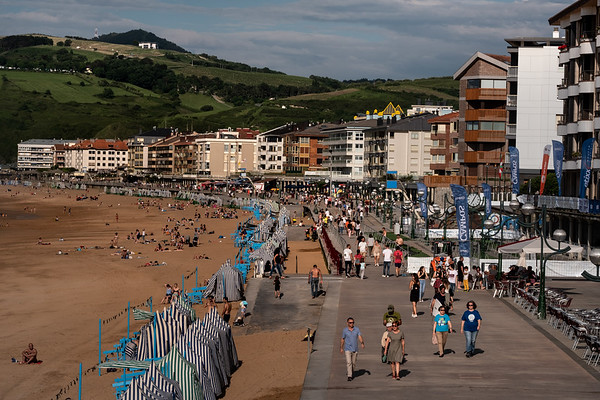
270, 155
532, 103
345, 151
38, 153
428, 108
148, 45
96, 155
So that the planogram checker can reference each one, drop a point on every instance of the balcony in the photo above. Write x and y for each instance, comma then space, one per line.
481, 157
485, 115
513, 72
485, 94
511, 129
485, 136
437, 150
437, 166
446, 180
511, 100
586, 45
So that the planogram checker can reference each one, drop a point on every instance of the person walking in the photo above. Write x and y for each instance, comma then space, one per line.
351, 336
398, 260
413, 286
395, 350
314, 278
442, 326
376, 253
348, 260
466, 279
387, 261
422, 274
226, 314
470, 326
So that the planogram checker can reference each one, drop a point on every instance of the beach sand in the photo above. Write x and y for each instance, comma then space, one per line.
55, 301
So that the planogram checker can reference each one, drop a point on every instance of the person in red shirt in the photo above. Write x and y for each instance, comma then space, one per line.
398, 260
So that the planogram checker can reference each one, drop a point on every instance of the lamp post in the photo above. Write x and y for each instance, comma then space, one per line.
539, 226
421, 193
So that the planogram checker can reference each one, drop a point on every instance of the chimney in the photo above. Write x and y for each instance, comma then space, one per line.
555, 33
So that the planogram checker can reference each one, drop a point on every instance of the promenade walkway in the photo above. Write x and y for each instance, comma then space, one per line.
515, 357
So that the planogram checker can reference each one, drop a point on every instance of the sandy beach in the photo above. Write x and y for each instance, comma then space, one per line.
56, 300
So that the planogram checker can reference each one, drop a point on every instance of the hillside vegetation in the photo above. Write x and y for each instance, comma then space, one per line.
49, 92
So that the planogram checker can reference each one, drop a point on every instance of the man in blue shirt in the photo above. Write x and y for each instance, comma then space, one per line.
349, 346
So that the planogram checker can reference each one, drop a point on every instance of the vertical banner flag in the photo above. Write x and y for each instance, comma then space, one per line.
513, 153
501, 167
586, 166
487, 195
545, 160
423, 199
558, 151
462, 219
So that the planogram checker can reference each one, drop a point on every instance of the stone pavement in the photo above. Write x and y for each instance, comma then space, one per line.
515, 357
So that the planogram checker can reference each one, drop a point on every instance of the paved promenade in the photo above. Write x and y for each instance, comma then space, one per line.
515, 357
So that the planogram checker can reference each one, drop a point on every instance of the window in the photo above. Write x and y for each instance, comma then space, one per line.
486, 84
358, 146
414, 135
358, 158
226, 148
359, 136
304, 140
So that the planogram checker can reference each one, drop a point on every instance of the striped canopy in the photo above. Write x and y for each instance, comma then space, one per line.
226, 282
175, 367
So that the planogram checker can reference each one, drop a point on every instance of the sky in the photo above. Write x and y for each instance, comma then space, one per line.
342, 39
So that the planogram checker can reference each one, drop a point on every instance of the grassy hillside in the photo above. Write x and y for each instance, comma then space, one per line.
78, 105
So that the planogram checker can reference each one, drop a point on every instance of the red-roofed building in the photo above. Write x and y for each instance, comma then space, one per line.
96, 155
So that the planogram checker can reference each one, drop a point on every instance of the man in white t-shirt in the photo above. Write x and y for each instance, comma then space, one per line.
348, 260
362, 247
452, 276
370, 244
387, 261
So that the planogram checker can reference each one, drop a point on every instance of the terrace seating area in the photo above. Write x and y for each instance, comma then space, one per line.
582, 326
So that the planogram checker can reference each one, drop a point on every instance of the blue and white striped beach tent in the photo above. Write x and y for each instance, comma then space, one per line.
223, 329
226, 282
197, 351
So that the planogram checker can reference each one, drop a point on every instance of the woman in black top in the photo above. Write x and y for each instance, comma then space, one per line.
414, 286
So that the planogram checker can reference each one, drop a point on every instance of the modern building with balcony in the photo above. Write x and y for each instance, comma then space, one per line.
304, 150
137, 162
532, 104
38, 153
444, 144
482, 116
579, 91
345, 151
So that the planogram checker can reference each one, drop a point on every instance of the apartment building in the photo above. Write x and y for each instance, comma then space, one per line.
532, 104
304, 150
137, 145
38, 153
226, 153
270, 155
444, 144
96, 155
482, 116
579, 91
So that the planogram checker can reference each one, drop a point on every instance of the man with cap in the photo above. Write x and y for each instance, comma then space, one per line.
391, 316
388, 329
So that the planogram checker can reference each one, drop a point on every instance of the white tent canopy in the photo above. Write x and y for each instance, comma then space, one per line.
533, 246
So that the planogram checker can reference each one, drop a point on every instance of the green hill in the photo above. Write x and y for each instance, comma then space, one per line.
133, 89
136, 36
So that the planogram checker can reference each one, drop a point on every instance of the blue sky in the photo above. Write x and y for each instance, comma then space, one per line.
343, 39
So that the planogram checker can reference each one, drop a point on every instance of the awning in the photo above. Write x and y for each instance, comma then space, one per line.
533, 246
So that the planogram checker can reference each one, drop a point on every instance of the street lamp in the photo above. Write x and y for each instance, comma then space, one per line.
594, 257
421, 193
540, 228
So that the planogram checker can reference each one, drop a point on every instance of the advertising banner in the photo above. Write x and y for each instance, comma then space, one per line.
586, 166
462, 219
558, 151
513, 153
545, 160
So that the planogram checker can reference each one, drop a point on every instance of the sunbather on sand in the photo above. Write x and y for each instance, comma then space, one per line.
29, 355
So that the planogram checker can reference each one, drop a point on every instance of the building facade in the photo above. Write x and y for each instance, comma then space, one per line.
38, 153
532, 104
579, 91
137, 162
482, 119
444, 145
304, 150
226, 153
97, 155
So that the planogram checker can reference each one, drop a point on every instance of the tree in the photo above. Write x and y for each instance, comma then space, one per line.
550, 188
